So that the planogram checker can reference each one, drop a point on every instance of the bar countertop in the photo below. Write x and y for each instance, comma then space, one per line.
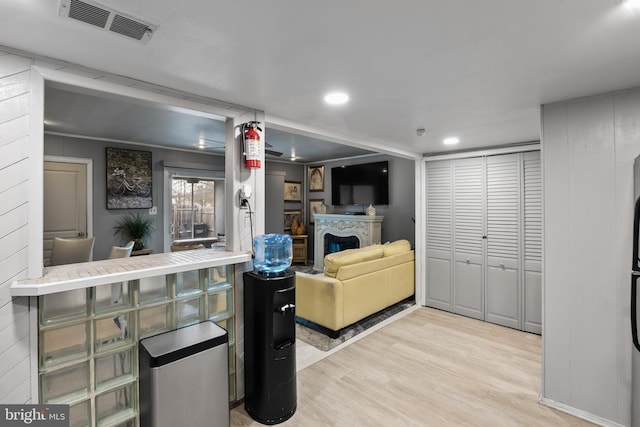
68, 277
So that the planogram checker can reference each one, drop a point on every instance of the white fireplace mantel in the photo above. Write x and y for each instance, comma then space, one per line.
368, 230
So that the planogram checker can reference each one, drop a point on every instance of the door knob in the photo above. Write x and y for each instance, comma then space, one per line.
502, 266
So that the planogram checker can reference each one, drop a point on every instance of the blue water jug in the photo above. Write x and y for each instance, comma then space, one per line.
273, 252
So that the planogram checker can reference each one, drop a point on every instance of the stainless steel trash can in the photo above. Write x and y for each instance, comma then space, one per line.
184, 377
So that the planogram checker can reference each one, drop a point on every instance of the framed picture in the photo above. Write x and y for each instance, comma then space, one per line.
316, 178
292, 191
128, 179
289, 215
316, 206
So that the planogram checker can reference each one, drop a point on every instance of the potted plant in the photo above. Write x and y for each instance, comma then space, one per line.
136, 227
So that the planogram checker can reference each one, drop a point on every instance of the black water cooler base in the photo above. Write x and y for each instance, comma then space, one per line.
270, 346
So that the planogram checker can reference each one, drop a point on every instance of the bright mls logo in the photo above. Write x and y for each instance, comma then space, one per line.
34, 415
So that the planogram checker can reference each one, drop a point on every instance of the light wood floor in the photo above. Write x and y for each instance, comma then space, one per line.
429, 368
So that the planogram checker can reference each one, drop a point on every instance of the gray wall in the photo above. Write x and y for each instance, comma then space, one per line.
103, 219
588, 149
398, 223
276, 173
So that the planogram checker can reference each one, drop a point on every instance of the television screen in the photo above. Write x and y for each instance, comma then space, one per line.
363, 184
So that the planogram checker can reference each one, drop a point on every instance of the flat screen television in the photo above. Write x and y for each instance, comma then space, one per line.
365, 184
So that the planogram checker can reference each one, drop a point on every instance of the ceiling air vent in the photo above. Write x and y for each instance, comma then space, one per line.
106, 18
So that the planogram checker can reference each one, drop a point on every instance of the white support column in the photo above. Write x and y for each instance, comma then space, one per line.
239, 227
243, 222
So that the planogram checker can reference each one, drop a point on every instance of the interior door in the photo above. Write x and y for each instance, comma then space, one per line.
65, 202
439, 235
468, 212
503, 241
532, 265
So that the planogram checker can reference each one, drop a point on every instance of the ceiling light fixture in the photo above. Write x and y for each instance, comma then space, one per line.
450, 141
336, 98
632, 4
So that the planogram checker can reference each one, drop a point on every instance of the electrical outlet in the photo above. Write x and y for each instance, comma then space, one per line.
153, 210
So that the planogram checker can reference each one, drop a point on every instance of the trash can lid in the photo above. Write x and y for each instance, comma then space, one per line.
180, 343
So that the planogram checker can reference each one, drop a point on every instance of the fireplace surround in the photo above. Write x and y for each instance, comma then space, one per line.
367, 229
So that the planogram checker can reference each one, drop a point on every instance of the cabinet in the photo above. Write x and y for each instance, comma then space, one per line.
299, 248
484, 238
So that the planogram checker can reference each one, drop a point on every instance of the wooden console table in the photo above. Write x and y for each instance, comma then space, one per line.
299, 248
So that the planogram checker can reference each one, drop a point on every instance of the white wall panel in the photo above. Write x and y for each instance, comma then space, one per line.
556, 331
14, 380
14, 130
590, 135
627, 148
15, 373
588, 151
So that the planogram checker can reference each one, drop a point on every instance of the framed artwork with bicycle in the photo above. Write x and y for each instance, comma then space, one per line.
128, 179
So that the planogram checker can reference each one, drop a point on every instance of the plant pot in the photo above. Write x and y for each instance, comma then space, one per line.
138, 245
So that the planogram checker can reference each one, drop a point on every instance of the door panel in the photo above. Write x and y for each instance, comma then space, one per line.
532, 213
439, 235
439, 280
469, 292
503, 240
533, 302
65, 202
468, 228
503, 296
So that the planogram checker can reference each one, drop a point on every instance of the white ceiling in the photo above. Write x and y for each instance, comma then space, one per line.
478, 70
80, 113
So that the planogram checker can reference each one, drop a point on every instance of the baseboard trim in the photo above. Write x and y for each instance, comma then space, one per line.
579, 413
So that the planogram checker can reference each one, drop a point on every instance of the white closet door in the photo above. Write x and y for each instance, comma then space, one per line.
439, 234
503, 240
532, 199
468, 226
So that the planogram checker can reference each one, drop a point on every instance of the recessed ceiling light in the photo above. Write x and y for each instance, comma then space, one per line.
336, 98
450, 141
632, 4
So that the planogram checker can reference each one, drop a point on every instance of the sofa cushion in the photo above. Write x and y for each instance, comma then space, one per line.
347, 272
334, 261
397, 247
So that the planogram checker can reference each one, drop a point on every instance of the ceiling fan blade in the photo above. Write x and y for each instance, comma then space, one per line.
273, 153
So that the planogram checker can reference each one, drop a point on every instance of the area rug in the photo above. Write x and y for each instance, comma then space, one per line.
323, 342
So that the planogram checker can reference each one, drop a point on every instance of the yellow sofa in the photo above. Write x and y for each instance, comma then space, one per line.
356, 283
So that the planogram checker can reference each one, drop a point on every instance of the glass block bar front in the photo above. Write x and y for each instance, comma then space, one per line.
88, 338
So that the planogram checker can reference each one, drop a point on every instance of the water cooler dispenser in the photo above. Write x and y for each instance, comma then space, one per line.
270, 334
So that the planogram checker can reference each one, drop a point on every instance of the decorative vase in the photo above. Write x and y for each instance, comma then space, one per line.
138, 244
371, 211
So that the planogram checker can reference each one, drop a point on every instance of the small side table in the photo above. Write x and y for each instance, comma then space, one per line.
142, 252
299, 248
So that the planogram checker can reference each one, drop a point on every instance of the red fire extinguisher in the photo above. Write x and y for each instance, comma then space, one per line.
251, 144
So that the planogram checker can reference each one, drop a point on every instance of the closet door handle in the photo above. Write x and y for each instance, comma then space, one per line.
634, 312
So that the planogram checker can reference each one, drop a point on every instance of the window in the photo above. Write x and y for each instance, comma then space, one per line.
193, 209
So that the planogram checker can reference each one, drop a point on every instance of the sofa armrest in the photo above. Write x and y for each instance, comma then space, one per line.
319, 299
